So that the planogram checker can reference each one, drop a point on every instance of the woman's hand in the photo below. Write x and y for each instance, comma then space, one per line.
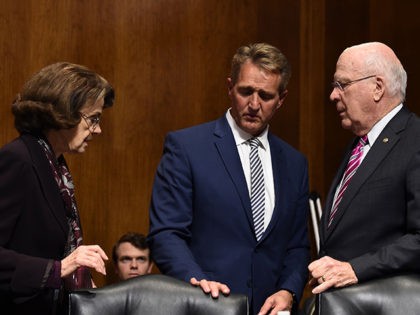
91, 256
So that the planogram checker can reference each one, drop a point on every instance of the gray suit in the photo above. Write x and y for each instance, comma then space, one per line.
377, 226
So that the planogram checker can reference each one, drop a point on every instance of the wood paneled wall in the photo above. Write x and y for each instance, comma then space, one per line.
168, 61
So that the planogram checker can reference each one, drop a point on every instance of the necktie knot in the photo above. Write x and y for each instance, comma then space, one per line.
254, 143
363, 140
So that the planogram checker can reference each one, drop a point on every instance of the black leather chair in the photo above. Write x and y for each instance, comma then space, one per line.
388, 296
154, 295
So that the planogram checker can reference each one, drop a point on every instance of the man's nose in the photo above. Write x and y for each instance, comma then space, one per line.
133, 263
334, 95
254, 101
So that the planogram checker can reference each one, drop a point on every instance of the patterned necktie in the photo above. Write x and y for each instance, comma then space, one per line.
352, 165
257, 188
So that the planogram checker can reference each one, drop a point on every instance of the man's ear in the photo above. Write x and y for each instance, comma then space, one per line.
149, 270
282, 97
229, 84
379, 91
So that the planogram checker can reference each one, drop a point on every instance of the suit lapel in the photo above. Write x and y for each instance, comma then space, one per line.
279, 166
226, 146
388, 138
47, 182
331, 193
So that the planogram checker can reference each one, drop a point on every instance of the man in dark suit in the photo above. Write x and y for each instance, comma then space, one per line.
202, 222
371, 223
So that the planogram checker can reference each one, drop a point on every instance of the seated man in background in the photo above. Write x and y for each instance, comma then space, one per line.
131, 256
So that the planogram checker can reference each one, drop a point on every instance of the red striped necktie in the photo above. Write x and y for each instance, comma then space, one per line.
352, 165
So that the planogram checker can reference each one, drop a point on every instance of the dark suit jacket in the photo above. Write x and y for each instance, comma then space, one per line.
377, 226
201, 222
33, 226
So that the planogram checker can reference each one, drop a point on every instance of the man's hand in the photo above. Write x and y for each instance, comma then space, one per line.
212, 287
279, 301
327, 273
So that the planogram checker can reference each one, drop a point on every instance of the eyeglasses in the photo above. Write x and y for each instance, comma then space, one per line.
91, 121
341, 86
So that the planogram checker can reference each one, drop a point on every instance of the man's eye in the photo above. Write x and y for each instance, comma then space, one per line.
266, 96
245, 91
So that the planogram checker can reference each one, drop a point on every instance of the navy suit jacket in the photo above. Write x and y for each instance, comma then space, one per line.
377, 225
33, 227
201, 222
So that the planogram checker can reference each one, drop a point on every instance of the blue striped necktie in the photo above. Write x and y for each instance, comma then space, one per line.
257, 188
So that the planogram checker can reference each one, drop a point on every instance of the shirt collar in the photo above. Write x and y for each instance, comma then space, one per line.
241, 136
376, 130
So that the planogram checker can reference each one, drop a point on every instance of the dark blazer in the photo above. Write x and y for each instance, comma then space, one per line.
201, 222
33, 227
377, 225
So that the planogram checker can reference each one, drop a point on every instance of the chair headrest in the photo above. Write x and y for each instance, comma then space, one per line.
153, 294
387, 296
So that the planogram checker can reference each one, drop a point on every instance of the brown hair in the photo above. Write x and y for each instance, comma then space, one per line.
264, 56
136, 239
53, 97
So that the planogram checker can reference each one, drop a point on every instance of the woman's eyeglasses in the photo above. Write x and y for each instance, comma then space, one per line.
91, 121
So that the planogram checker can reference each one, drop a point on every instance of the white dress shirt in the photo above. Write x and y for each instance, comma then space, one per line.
241, 140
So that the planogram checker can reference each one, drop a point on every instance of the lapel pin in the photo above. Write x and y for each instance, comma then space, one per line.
385, 140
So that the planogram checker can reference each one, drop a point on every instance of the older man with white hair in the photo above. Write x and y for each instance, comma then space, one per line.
371, 222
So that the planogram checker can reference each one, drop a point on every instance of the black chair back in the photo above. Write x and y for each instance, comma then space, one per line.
154, 295
388, 296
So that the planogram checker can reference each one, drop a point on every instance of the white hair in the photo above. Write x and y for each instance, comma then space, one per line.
380, 59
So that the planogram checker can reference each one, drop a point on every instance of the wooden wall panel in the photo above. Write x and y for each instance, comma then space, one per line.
311, 89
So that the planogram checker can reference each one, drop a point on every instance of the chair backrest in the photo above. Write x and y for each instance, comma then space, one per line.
388, 296
154, 295
316, 212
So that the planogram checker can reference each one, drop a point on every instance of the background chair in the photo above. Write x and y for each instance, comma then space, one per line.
154, 295
388, 296
315, 208
316, 212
